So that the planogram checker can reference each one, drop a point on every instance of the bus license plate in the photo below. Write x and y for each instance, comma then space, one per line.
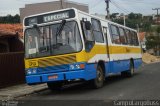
53, 77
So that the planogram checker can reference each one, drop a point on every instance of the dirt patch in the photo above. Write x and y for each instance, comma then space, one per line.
148, 58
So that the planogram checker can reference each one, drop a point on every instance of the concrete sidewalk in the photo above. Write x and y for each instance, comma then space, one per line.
12, 92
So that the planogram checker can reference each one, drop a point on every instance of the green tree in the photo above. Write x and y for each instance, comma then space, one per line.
134, 16
158, 30
112, 16
146, 27
16, 19
10, 19
151, 42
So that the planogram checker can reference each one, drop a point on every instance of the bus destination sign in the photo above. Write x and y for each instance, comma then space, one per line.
54, 17
49, 17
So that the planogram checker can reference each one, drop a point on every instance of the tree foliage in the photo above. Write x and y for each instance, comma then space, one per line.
113, 16
134, 20
10, 19
158, 29
153, 41
134, 16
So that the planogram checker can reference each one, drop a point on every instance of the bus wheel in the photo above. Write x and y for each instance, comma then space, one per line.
99, 80
130, 72
55, 85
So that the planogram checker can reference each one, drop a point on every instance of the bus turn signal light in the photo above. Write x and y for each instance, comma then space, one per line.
82, 66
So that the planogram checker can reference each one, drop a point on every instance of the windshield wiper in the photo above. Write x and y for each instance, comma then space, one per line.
59, 31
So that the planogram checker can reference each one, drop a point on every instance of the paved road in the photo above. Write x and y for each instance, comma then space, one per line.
144, 85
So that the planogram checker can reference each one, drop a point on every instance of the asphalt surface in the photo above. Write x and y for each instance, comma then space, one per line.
144, 85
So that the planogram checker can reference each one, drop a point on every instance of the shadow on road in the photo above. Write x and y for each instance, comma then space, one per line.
81, 88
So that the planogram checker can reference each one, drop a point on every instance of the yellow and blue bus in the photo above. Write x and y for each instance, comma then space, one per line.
70, 45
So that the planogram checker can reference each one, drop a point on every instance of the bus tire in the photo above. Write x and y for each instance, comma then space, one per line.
54, 85
130, 72
99, 80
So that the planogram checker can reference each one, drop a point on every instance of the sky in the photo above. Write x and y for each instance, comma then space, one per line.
95, 6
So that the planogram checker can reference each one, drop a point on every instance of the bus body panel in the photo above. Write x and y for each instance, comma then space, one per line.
86, 74
116, 58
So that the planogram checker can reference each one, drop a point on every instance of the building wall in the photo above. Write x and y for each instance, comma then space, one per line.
4, 45
11, 69
31, 9
11, 60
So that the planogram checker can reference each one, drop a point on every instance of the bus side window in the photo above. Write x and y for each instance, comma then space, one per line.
136, 39
115, 34
132, 38
97, 30
88, 37
128, 36
87, 33
123, 37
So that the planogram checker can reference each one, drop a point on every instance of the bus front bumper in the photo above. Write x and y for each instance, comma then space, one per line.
60, 76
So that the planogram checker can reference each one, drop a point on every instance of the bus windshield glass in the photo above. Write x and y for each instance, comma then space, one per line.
44, 41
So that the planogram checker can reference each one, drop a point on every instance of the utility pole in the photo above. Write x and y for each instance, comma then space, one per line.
157, 9
107, 9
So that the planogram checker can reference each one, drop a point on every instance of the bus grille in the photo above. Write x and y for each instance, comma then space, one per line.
55, 61
54, 69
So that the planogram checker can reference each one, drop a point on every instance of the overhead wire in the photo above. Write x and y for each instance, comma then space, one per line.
142, 2
115, 10
130, 8
96, 4
139, 2
118, 7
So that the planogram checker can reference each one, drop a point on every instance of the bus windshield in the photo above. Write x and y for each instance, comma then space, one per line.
44, 41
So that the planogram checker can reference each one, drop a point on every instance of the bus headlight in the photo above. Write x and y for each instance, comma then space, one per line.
71, 67
76, 66
31, 71
34, 71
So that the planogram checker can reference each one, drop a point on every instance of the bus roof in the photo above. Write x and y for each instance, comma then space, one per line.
74, 9
49, 16
106, 20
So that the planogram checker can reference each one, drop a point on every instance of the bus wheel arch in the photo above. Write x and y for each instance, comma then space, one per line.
102, 64
98, 82
131, 68
130, 72
132, 61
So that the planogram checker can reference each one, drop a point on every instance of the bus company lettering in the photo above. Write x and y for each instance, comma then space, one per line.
56, 17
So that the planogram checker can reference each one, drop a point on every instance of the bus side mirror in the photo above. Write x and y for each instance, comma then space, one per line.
87, 25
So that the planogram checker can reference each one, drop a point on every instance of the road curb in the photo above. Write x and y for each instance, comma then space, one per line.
153, 62
14, 92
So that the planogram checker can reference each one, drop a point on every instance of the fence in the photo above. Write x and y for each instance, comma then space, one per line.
11, 69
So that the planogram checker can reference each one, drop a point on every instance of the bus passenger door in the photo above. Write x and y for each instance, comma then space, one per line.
107, 50
107, 47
